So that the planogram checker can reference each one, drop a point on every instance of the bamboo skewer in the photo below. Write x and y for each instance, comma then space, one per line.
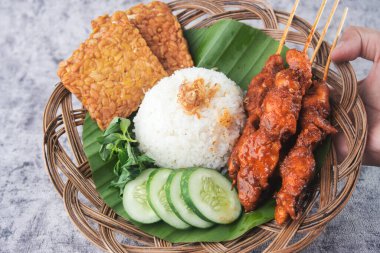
341, 24
288, 24
313, 28
336, 3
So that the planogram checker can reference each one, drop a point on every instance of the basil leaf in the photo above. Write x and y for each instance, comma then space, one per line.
122, 156
131, 162
124, 125
117, 169
145, 159
112, 138
131, 155
105, 153
117, 141
113, 127
110, 146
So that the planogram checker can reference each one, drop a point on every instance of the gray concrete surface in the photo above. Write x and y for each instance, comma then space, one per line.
34, 36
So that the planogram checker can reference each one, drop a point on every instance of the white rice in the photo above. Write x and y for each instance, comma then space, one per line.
175, 139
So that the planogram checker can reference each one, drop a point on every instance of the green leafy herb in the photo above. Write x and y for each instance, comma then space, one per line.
118, 142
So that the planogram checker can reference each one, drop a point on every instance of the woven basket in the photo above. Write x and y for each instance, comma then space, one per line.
70, 173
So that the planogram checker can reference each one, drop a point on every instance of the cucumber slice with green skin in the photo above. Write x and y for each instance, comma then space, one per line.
157, 198
210, 196
178, 204
135, 200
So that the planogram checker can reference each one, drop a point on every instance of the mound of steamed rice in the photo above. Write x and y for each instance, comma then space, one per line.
175, 138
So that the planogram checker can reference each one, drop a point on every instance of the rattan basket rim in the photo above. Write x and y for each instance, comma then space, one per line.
70, 173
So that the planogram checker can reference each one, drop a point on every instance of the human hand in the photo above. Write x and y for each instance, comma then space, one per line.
362, 42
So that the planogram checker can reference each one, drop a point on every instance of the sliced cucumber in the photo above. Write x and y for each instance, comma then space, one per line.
157, 198
210, 195
135, 200
178, 205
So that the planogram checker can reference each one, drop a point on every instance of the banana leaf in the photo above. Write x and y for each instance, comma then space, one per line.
236, 49
240, 52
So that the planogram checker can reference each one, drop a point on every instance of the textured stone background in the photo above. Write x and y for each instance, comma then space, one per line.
34, 36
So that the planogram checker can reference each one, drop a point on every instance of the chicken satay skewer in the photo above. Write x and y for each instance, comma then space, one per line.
341, 24
280, 111
257, 90
274, 64
277, 123
324, 31
251, 185
259, 85
314, 27
297, 170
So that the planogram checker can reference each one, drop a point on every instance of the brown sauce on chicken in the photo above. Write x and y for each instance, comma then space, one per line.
256, 154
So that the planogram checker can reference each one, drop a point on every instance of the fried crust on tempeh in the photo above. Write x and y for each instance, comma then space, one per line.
163, 33
112, 69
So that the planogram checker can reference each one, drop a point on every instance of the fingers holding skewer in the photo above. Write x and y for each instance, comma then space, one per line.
341, 24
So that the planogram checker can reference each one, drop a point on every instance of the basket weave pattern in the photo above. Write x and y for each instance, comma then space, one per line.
70, 173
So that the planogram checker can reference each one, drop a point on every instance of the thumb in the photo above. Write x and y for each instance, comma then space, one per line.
358, 42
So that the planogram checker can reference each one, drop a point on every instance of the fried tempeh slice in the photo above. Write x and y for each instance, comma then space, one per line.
163, 33
112, 69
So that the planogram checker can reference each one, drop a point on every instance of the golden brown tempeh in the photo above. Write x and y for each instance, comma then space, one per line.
112, 69
163, 33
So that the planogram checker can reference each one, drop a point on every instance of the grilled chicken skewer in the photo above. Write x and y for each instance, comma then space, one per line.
297, 170
257, 90
298, 167
281, 107
256, 154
